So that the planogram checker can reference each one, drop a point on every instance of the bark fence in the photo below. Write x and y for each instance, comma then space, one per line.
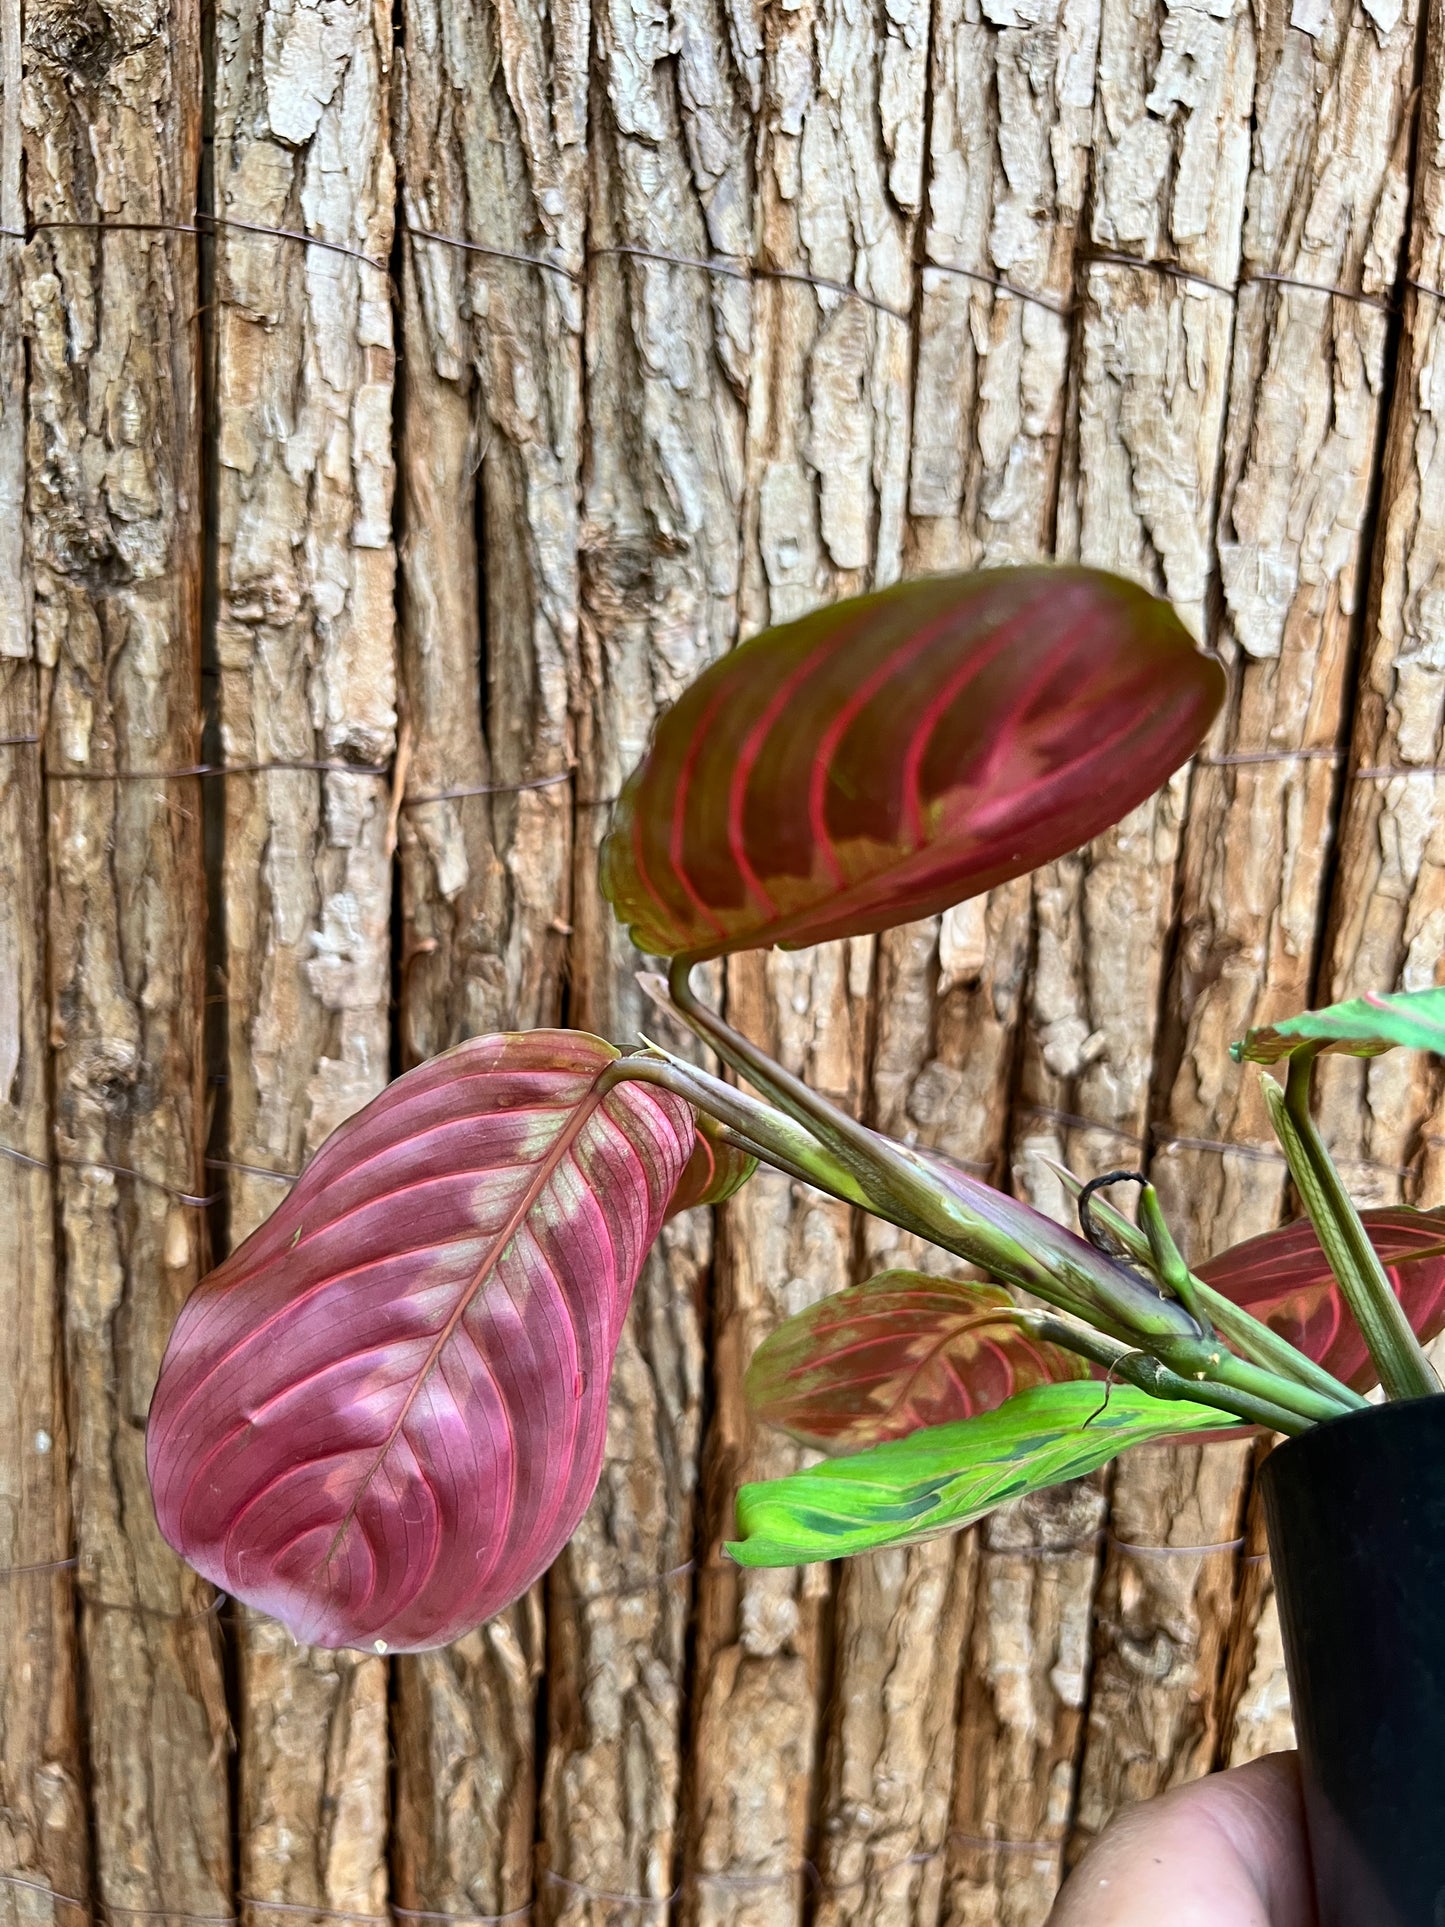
396, 410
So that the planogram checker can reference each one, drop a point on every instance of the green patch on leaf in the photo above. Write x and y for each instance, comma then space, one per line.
946, 1476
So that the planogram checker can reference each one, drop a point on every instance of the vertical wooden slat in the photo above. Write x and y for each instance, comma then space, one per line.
668, 171
492, 144
42, 1792
1387, 914
305, 649
840, 177
492, 149
43, 1796
1010, 110
1025, 1690
111, 109
760, 1638
1387, 908
1306, 382
1171, 156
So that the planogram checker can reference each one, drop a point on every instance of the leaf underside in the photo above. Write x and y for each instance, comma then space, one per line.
383, 1416
895, 753
903, 1351
941, 1479
1363, 1027
715, 1171
1284, 1278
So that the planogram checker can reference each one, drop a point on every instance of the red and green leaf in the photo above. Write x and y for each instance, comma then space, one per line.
1364, 1027
881, 759
714, 1172
1282, 1277
384, 1415
903, 1351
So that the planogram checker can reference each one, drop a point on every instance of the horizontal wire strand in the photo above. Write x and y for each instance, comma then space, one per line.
733, 267
1231, 759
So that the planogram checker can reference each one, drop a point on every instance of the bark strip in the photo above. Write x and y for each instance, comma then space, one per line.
1170, 162
111, 112
1325, 206
305, 649
661, 505
492, 148
42, 1792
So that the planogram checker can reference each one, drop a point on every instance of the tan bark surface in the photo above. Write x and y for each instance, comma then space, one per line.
667, 172
305, 649
1010, 122
491, 140
1387, 912
839, 189
1324, 206
43, 1829
612, 465
114, 544
1170, 158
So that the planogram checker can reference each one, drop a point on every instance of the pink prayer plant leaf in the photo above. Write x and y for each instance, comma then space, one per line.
883, 1359
1284, 1279
888, 756
383, 1416
714, 1172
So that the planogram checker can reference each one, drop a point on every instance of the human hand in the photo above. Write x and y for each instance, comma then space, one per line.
1228, 1851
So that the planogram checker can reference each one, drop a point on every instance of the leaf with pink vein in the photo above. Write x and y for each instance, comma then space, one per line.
894, 753
884, 1359
385, 1414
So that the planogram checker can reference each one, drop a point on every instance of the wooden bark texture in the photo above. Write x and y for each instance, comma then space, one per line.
658, 569
305, 655
111, 112
492, 139
706, 315
42, 1793
43, 1833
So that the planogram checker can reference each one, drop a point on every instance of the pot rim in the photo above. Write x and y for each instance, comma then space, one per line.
1389, 1411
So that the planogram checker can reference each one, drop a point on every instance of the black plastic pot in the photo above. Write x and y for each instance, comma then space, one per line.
1356, 1518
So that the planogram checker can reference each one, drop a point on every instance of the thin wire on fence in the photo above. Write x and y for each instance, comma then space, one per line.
727, 1880
736, 267
337, 766
1159, 1140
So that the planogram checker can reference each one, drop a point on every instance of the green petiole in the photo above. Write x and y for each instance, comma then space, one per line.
1404, 1370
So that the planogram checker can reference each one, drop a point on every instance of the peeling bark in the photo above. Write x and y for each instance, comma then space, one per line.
1026, 1688
611, 466
761, 1634
1011, 101
1162, 1615
1170, 161
42, 1794
492, 148
1387, 914
1325, 205
668, 173
113, 534
492, 142
839, 190
1010, 107
305, 649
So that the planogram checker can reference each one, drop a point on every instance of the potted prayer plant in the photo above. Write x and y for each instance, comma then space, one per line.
384, 1415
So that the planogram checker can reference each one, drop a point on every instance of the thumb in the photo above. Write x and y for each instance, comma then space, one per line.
1229, 1851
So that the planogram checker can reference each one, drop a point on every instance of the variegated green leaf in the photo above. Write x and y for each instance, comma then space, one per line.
949, 1475
1364, 1027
